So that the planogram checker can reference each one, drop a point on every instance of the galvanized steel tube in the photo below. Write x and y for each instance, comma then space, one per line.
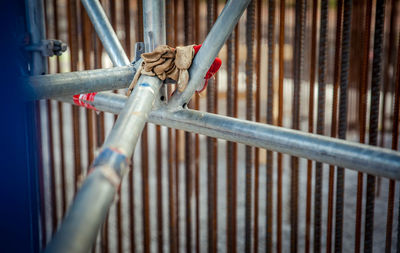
88, 212
356, 156
105, 32
216, 38
71, 83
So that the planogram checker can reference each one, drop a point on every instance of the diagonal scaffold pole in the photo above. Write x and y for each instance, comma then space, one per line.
88, 211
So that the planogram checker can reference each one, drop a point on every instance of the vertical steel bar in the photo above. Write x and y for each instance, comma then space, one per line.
249, 116
188, 28
87, 49
145, 191
311, 120
344, 79
313, 54
362, 118
297, 69
235, 114
197, 140
127, 46
132, 236
211, 172
230, 218
171, 193
214, 87
388, 66
387, 79
395, 144
131, 176
73, 45
113, 18
49, 110
257, 118
339, 16
270, 108
177, 141
159, 190
320, 121
100, 131
86, 30
280, 117
374, 119
60, 121
127, 28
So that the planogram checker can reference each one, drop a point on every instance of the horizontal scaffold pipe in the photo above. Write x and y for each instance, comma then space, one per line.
71, 83
352, 155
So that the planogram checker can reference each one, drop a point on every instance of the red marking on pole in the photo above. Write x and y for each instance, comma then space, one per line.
82, 99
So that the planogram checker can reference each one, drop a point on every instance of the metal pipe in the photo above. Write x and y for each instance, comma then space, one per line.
212, 44
71, 83
37, 32
355, 156
88, 212
80, 227
105, 32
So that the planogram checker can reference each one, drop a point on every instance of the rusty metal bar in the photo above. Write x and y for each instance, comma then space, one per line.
374, 119
197, 140
231, 163
250, 23
333, 134
395, 143
73, 45
86, 29
270, 108
100, 132
171, 192
298, 45
322, 55
188, 32
212, 170
132, 237
342, 129
50, 144
362, 118
177, 143
280, 117
257, 119
313, 50
214, 88
60, 121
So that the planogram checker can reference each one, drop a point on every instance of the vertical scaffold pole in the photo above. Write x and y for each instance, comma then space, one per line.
82, 222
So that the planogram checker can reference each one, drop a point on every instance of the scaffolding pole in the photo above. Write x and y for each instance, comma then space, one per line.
351, 155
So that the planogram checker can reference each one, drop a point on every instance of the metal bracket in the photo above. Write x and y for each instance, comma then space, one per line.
48, 47
139, 50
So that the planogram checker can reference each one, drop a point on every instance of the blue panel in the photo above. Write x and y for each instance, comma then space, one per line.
18, 170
